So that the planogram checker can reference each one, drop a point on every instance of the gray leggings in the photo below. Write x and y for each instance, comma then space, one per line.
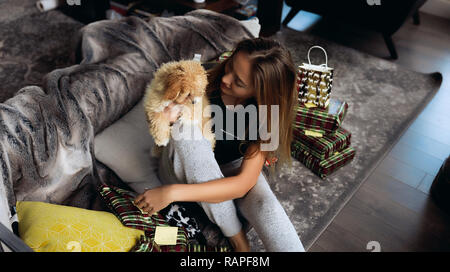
192, 161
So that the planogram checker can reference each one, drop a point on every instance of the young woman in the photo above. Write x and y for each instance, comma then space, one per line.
229, 180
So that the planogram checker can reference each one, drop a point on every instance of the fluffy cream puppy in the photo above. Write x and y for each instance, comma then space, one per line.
174, 82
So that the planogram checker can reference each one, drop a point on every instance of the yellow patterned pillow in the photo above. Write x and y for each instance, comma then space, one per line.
49, 227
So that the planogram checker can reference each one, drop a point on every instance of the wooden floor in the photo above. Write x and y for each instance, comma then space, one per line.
393, 206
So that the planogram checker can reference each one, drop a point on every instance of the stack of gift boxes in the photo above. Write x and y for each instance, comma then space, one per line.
320, 142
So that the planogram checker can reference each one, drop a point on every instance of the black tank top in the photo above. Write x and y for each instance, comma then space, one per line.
227, 150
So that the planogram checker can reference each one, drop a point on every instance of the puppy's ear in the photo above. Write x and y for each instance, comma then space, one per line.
174, 84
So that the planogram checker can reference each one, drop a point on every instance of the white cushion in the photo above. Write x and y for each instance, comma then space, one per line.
125, 148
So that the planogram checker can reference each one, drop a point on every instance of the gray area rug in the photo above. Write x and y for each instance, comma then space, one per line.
383, 99
32, 44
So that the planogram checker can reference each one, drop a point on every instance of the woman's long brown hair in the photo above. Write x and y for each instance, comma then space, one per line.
274, 77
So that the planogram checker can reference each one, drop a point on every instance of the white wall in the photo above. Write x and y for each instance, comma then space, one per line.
439, 8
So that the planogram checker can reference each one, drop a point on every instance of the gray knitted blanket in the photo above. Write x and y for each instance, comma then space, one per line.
47, 134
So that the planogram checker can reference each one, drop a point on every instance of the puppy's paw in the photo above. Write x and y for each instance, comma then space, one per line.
161, 135
161, 141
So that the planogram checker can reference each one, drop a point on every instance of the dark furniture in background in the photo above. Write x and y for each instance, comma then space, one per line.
386, 18
440, 189
88, 11
93, 10
183, 6
269, 15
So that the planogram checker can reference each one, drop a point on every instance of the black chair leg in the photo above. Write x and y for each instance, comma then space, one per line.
290, 15
416, 18
390, 46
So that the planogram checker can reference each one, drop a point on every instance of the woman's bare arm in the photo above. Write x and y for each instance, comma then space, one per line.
213, 191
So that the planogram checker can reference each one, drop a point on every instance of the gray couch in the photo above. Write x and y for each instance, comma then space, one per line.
47, 135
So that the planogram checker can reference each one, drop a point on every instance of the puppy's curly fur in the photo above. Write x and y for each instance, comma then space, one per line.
174, 82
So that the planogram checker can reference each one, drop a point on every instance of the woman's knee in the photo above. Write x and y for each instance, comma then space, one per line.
218, 212
224, 215
260, 201
193, 161
190, 139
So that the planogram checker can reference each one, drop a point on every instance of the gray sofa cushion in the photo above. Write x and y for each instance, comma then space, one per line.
47, 134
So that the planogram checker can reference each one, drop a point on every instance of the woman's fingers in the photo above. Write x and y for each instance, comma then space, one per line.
152, 201
169, 108
148, 209
141, 203
172, 111
138, 199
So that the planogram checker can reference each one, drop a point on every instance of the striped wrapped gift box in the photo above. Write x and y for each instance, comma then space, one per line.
121, 203
321, 121
146, 244
324, 168
323, 147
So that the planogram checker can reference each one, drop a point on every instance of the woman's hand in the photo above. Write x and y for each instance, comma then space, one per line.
173, 111
154, 200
